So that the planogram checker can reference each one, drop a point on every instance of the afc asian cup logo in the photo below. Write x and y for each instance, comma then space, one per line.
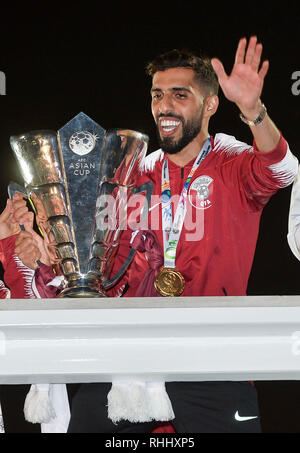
201, 191
82, 142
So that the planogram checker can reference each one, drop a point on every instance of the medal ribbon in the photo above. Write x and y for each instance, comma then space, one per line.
172, 229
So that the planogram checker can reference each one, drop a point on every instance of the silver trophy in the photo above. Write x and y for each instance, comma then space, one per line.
83, 177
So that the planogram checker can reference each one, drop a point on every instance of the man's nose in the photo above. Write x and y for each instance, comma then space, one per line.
166, 104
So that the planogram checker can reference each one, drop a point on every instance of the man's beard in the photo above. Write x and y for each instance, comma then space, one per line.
190, 130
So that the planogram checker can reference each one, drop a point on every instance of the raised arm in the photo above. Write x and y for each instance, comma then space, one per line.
244, 87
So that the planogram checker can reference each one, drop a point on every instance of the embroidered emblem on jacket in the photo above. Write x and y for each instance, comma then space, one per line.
201, 191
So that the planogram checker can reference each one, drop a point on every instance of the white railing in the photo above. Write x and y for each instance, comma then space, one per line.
98, 340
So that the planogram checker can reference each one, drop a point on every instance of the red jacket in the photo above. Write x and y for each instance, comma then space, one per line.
225, 200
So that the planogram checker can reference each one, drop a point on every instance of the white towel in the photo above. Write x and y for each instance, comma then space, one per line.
139, 401
48, 405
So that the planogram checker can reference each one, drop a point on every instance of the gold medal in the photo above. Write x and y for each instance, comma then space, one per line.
169, 282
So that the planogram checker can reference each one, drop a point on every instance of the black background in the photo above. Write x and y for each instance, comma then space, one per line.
90, 57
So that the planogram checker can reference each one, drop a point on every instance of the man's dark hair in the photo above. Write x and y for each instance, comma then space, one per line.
204, 72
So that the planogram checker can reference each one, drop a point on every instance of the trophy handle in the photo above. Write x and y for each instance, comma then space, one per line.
148, 189
14, 188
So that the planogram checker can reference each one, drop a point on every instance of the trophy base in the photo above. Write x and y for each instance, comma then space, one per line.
81, 292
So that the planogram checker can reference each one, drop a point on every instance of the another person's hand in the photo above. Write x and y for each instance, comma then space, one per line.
30, 248
27, 249
49, 243
20, 212
8, 227
14, 214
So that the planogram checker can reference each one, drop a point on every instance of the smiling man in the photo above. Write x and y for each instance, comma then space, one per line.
178, 101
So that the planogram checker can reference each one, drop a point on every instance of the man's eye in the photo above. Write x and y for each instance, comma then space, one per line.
181, 95
156, 96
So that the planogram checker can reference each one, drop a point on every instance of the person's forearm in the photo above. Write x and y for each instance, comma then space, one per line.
266, 134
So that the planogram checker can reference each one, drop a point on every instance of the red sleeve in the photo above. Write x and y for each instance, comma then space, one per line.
259, 175
4, 292
274, 156
43, 277
18, 278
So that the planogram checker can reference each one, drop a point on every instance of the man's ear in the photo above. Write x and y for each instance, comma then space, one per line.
211, 105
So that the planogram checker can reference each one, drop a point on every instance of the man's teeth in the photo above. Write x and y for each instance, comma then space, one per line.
168, 125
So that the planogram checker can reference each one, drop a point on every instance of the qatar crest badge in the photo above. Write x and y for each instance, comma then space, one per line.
201, 192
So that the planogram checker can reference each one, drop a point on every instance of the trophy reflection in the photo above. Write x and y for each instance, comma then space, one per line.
83, 177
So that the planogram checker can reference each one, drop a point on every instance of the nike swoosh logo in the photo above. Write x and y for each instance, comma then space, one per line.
243, 419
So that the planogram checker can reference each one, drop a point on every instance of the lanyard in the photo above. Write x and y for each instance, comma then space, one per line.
172, 229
